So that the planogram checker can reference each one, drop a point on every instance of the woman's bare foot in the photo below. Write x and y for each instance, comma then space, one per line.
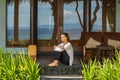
54, 63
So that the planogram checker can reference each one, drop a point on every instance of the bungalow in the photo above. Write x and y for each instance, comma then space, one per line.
40, 22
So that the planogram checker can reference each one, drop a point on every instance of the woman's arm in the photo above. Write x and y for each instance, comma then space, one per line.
62, 47
54, 46
67, 46
58, 48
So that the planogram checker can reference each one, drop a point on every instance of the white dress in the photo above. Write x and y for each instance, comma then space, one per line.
69, 49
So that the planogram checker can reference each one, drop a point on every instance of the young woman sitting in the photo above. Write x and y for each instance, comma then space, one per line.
63, 52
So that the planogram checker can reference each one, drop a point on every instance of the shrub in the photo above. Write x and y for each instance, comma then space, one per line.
17, 67
108, 70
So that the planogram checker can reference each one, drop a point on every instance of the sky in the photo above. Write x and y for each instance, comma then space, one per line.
45, 16
24, 16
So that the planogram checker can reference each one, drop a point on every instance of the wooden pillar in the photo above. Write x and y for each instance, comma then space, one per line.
16, 23
85, 16
86, 20
114, 3
89, 17
33, 22
104, 22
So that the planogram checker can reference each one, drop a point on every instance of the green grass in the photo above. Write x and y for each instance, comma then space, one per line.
17, 67
109, 69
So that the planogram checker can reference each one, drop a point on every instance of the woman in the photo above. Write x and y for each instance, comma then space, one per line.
64, 52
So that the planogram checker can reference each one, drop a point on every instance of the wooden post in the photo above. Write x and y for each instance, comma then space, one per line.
33, 22
16, 17
104, 22
32, 49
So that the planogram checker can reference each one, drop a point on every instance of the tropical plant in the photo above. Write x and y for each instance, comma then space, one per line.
17, 66
89, 70
109, 69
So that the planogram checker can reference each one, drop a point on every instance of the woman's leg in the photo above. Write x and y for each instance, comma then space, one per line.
58, 56
64, 58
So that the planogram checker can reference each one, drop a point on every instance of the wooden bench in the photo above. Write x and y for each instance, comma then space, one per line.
90, 40
106, 38
111, 38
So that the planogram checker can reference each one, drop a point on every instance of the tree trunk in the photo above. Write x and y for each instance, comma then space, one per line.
110, 17
95, 15
79, 18
53, 39
54, 34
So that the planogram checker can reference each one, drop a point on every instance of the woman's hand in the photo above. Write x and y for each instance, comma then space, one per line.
55, 46
62, 47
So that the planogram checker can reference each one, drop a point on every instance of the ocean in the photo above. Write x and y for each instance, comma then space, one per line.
45, 32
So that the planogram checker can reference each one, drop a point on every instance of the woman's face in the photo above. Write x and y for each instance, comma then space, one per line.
63, 38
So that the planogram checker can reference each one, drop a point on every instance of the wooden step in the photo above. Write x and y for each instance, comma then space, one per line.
62, 77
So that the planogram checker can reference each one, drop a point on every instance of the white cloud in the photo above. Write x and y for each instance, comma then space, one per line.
67, 13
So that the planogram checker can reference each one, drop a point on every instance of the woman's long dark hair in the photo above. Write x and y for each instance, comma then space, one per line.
66, 35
